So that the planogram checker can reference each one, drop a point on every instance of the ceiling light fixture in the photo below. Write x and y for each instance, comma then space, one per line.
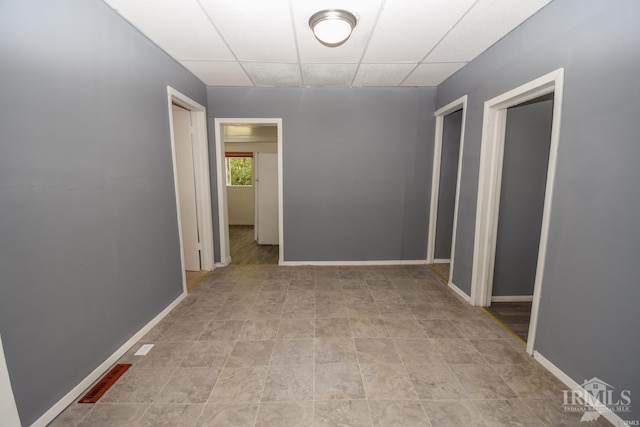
332, 27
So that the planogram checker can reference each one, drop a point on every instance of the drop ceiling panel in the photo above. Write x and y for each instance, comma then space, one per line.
269, 42
407, 30
486, 23
256, 30
218, 73
328, 75
312, 51
432, 74
180, 28
382, 74
278, 75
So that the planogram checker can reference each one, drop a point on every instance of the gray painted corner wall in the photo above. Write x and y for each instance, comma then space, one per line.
524, 176
89, 249
588, 308
357, 167
451, 133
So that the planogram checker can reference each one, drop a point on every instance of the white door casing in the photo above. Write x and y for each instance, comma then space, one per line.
201, 176
491, 157
460, 103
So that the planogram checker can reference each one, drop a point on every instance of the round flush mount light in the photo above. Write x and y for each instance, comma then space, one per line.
332, 27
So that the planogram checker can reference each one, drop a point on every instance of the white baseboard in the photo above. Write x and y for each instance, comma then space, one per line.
441, 261
459, 291
70, 397
512, 298
353, 263
612, 417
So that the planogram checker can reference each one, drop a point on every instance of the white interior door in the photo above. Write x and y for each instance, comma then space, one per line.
266, 186
186, 188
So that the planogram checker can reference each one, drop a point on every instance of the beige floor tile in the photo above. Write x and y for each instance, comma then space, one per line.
328, 310
231, 311
293, 352
296, 328
259, 329
530, 381
500, 352
333, 328
507, 413
266, 310
165, 355
338, 382
183, 331
435, 381
303, 345
368, 328
171, 415
221, 330
298, 310
285, 383
416, 351
404, 328
189, 385
482, 382
137, 386
113, 414
332, 413
405, 413
205, 354
386, 381
376, 350
552, 413
335, 350
250, 353
285, 414
239, 385
227, 415
440, 329
453, 413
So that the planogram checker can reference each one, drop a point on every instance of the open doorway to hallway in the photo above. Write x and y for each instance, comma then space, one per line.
249, 190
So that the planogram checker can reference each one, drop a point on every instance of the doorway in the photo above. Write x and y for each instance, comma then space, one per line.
523, 183
251, 220
187, 122
490, 186
445, 188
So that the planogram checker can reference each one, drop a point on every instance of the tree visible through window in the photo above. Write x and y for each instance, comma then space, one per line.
239, 171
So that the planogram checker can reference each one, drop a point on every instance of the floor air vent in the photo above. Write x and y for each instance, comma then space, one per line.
103, 385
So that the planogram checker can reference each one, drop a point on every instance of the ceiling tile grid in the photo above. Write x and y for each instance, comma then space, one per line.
269, 43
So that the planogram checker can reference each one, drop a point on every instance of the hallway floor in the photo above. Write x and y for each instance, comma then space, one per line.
327, 346
245, 250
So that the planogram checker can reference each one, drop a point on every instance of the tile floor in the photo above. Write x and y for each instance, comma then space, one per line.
323, 346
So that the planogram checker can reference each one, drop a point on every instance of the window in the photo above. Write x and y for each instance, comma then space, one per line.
239, 169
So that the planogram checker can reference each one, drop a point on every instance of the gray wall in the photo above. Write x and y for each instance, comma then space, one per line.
588, 313
451, 132
357, 167
89, 249
524, 178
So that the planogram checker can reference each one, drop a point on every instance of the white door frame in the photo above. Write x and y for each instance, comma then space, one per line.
201, 172
223, 211
8, 408
460, 103
489, 182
